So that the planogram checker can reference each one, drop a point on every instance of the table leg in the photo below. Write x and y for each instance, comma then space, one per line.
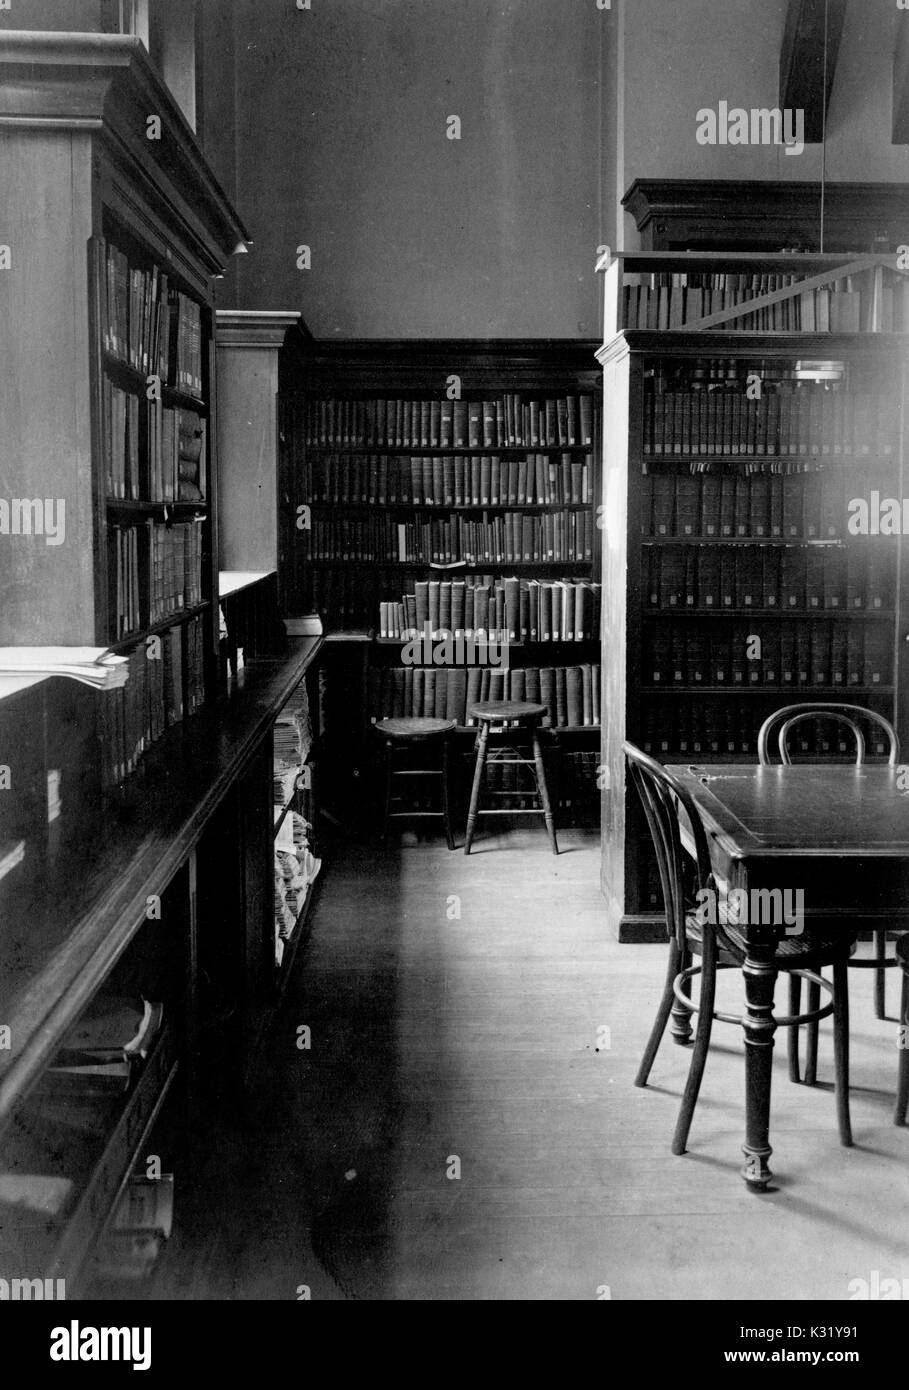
759, 1026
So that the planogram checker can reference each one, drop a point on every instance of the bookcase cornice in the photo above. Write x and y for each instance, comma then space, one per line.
106, 84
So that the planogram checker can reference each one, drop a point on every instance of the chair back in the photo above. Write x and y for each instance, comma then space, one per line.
783, 721
661, 796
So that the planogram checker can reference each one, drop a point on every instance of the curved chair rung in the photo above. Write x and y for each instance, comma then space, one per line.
787, 1021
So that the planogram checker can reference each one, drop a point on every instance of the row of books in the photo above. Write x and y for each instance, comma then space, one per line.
160, 458
522, 609
165, 683
512, 538
176, 455
571, 693
695, 726
801, 420
853, 304
156, 571
500, 422
780, 578
457, 480
121, 441
777, 654
147, 322
754, 501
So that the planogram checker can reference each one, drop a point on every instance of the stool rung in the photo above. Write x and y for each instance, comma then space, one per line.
511, 811
417, 772
416, 815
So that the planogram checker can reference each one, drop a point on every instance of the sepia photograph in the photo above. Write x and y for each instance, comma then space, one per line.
454, 682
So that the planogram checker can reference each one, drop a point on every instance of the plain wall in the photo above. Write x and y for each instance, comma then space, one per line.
341, 145
679, 58
65, 16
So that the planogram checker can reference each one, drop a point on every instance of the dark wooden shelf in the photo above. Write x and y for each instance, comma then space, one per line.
700, 456
837, 542
133, 377
132, 506
184, 615
449, 450
455, 566
59, 947
740, 688
536, 508
853, 614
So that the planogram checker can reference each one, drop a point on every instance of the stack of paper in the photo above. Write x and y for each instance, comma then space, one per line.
95, 666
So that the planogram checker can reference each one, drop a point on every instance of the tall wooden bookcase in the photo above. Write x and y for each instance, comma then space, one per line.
164, 887
378, 443
733, 447
115, 228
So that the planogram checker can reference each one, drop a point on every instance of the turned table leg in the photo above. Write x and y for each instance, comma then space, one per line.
759, 1027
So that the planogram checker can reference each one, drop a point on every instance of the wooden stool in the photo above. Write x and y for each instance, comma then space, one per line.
902, 1084
527, 716
405, 733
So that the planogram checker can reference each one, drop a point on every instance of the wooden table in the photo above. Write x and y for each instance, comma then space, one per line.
841, 834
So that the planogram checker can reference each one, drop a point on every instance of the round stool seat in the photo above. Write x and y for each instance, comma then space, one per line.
415, 728
500, 710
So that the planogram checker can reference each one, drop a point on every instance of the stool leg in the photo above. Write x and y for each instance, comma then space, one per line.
902, 1083
478, 771
880, 974
543, 789
388, 775
446, 803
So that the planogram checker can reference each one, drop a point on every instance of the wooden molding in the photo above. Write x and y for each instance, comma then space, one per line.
257, 328
765, 215
802, 60
107, 83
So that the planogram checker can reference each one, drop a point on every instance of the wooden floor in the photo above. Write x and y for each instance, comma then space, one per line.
456, 1007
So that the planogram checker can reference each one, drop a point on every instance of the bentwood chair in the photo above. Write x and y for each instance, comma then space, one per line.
683, 876
857, 721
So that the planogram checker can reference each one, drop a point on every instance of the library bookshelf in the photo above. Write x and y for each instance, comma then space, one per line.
444, 487
735, 443
142, 953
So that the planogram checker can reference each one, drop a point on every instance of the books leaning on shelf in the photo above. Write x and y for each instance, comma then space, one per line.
456, 480
501, 421
166, 682
509, 538
146, 322
816, 654
95, 666
785, 579
707, 411
155, 571
523, 610
101, 1052
571, 693
853, 304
